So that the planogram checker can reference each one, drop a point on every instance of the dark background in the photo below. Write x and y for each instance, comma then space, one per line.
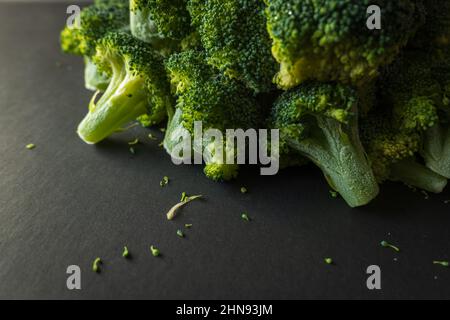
66, 203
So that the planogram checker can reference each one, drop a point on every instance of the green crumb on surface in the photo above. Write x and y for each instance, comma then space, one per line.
180, 233
334, 194
183, 197
329, 261
245, 217
96, 265
244, 190
386, 244
155, 251
125, 252
132, 151
164, 181
151, 137
30, 146
188, 225
134, 142
442, 263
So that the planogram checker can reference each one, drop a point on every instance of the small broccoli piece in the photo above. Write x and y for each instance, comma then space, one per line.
235, 37
138, 86
327, 40
319, 121
163, 23
95, 21
210, 97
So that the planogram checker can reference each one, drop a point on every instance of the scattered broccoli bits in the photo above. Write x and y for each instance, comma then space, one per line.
329, 261
30, 146
125, 253
442, 263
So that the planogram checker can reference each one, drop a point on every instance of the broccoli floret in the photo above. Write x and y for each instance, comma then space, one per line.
235, 37
210, 97
319, 122
160, 22
328, 40
95, 21
138, 86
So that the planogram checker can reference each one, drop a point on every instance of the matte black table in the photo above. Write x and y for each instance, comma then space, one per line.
66, 203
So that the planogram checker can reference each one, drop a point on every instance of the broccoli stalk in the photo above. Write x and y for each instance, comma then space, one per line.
94, 80
319, 121
414, 174
138, 86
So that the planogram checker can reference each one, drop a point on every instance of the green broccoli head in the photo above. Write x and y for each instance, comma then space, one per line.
206, 95
95, 22
327, 40
319, 121
160, 22
138, 86
234, 35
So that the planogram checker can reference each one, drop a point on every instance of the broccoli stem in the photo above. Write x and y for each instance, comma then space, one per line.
436, 151
417, 175
341, 158
94, 79
122, 103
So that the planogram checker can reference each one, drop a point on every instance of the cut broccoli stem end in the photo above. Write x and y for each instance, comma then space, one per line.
414, 174
342, 159
119, 105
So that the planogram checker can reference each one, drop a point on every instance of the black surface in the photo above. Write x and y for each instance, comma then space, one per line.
66, 203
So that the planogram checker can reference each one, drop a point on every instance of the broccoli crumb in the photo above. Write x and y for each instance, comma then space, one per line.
96, 265
164, 182
386, 244
151, 136
445, 264
30, 146
180, 233
188, 225
125, 252
132, 151
155, 251
334, 194
134, 142
245, 217
329, 261
244, 190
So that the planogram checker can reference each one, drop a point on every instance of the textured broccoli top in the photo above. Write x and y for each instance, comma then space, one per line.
328, 39
170, 17
235, 37
95, 22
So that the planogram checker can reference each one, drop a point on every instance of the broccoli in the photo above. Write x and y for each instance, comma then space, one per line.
208, 96
161, 22
392, 152
95, 21
138, 86
319, 121
327, 40
436, 148
234, 34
